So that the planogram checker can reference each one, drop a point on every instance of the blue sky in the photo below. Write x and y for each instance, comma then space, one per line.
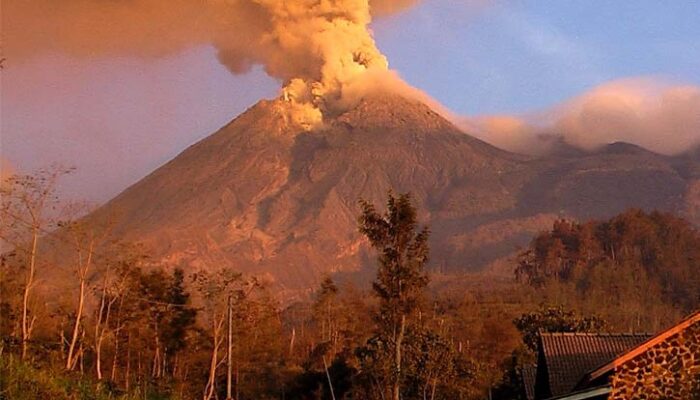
516, 56
118, 118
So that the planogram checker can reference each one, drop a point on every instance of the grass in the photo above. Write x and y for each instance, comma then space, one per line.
22, 381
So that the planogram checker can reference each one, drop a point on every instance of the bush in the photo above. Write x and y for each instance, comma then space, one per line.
22, 381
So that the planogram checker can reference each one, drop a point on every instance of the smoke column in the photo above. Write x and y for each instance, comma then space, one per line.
314, 47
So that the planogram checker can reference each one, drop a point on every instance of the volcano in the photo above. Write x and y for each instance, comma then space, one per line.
266, 196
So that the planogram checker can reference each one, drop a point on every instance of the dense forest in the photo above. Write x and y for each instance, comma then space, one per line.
637, 270
126, 327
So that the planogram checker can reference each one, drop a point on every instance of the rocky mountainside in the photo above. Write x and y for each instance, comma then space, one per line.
266, 196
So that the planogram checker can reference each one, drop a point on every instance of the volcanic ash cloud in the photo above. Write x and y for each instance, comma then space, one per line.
314, 47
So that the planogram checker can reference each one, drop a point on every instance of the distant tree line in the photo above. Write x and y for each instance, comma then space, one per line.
631, 269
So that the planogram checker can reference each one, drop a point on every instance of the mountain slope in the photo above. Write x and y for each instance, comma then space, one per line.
266, 196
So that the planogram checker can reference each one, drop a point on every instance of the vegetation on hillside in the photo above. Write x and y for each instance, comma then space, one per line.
127, 327
637, 270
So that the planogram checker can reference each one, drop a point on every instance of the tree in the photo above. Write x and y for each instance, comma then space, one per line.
638, 270
216, 289
401, 279
554, 319
27, 213
167, 304
109, 293
116, 302
85, 240
324, 309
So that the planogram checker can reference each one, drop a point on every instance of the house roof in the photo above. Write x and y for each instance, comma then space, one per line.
644, 346
529, 376
569, 356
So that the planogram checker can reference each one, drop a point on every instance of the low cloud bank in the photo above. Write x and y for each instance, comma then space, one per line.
659, 116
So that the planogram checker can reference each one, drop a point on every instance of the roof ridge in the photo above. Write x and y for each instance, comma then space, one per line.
692, 319
600, 334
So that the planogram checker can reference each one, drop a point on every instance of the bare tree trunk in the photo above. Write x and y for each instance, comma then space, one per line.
164, 367
328, 375
98, 360
29, 282
113, 372
76, 327
64, 342
291, 342
396, 392
81, 358
139, 368
99, 333
156, 354
117, 332
127, 373
330, 324
211, 383
425, 388
432, 394
210, 388
229, 354
82, 274
175, 366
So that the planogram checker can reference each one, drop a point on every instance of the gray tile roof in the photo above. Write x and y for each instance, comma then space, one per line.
569, 356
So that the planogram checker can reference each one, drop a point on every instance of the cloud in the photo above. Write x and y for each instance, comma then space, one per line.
503, 131
660, 116
387, 7
6, 169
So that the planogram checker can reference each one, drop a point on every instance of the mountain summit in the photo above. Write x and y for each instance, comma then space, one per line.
267, 196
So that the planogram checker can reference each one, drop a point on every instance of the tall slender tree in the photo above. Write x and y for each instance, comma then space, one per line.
401, 279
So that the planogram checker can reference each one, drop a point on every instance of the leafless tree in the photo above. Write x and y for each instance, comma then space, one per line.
28, 210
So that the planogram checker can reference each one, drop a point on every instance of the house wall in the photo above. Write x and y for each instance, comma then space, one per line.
669, 370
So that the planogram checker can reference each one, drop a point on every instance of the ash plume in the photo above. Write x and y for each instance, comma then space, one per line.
314, 47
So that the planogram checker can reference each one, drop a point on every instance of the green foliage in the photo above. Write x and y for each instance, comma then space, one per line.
167, 303
22, 381
181, 316
435, 369
401, 279
432, 368
639, 270
255, 332
405, 358
313, 384
554, 319
403, 253
636, 271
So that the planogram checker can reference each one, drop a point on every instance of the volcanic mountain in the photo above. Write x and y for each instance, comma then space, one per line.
267, 196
